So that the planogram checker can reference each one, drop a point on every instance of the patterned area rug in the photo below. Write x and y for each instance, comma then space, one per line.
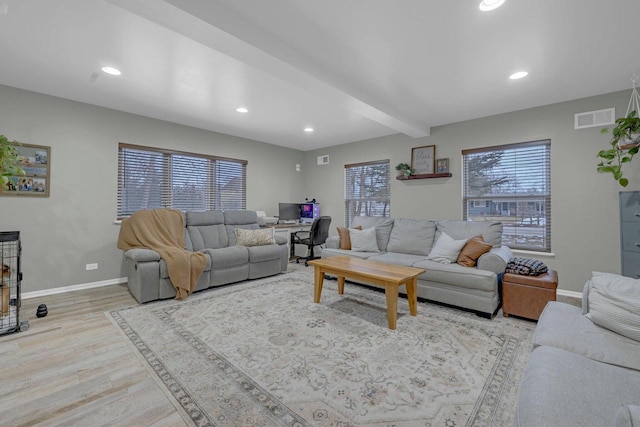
261, 353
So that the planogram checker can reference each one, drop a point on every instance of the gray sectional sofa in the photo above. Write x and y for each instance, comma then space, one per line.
211, 232
580, 373
408, 242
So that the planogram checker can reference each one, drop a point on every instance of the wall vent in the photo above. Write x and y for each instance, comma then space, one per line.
323, 160
592, 119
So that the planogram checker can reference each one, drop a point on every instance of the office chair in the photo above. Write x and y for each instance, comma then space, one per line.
317, 235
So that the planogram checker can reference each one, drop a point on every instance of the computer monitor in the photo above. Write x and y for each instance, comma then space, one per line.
309, 212
288, 212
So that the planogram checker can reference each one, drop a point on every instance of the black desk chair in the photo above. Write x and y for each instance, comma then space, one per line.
316, 236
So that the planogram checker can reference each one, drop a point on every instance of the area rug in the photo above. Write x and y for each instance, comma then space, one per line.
261, 353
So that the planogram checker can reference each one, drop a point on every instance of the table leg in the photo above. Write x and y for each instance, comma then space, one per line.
412, 296
391, 292
340, 285
318, 278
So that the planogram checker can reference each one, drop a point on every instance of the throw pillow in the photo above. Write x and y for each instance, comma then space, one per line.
363, 240
446, 250
473, 250
260, 237
614, 302
345, 237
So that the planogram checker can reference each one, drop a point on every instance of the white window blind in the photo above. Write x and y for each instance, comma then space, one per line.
367, 190
511, 184
150, 178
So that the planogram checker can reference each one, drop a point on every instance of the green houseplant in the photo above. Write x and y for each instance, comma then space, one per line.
404, 170
625, 141
8, 160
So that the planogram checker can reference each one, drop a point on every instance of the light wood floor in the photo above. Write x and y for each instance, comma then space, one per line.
73, 368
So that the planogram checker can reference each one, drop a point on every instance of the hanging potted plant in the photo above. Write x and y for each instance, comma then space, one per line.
8, 160
625, 142
404, 170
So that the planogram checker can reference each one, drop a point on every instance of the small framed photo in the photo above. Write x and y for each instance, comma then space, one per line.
442, 166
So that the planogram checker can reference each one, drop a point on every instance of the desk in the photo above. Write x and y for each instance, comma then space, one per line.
286, 231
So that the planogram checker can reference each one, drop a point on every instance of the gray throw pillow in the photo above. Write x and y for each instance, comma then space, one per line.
412, 236
614, 302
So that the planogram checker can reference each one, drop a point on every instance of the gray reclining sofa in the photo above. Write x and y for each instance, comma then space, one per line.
211, 232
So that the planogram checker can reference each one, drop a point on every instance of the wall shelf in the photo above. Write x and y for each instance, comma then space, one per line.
425, 176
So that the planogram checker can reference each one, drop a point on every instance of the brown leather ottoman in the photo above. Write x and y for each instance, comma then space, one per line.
526, 296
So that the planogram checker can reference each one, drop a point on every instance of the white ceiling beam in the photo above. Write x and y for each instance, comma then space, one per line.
214, 26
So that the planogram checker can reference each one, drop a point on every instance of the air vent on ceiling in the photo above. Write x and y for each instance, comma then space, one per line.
595, 118
323, 160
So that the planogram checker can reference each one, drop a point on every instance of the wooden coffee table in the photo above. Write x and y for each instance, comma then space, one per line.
388, 276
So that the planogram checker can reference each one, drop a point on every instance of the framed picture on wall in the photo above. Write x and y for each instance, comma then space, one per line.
442, 166
35, 162
423, 159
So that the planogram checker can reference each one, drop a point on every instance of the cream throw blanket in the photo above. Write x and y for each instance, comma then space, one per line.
163, 231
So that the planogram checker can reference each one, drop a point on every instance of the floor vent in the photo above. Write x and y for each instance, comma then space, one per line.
595, 118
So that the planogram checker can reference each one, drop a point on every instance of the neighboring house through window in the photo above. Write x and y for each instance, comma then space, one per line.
367, 190
511, 184
150, 178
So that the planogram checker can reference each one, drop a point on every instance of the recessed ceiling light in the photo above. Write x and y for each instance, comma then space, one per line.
112, 71
487, 5
308, 129
242, 110
518, 75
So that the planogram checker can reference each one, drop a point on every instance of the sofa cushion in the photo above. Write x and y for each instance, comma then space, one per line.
364, 240
208, 236
327, 252
260, 237
412, 236
345, 237
563, 326
474, 249
263, 253
614, 302
228, 257
204, 218
627, 416
240, 217
491, 231
559, 388
397, 259
383, 228
457, 275
446, 250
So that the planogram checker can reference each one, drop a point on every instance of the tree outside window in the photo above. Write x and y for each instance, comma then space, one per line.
367, 190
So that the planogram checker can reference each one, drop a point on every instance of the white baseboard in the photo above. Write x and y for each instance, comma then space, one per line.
570, 294
73, 288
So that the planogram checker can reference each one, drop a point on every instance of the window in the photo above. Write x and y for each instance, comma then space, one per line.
150, 178
366, 190
514, 181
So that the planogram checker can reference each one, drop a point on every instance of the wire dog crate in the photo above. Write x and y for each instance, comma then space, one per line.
10, 251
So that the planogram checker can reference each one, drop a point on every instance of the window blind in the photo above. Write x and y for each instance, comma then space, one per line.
367, 190
150, 178
511, 184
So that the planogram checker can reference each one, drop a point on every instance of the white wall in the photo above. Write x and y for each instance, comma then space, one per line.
75, 225
585, 213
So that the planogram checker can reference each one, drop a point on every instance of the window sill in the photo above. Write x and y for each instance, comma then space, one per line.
534, 253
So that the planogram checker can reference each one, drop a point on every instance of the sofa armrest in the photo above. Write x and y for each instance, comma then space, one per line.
142, 255
495, 260
627, 416
332, 242
281, 240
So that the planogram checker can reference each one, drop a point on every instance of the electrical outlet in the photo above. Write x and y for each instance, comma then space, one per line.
92, 266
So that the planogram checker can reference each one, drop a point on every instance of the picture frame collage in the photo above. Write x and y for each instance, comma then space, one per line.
34, 160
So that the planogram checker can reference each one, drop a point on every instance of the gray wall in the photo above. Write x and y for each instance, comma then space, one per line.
585, 213
75, 225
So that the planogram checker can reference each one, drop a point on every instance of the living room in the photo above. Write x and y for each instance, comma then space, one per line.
76, 225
